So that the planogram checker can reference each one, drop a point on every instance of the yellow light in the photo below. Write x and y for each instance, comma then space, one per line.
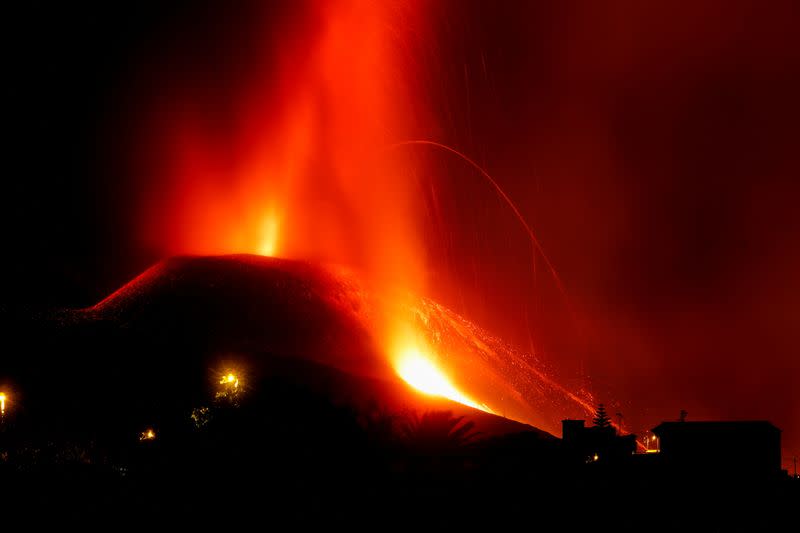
269, 235
596, 457
230, 379
2, 403
419, 372
148, 434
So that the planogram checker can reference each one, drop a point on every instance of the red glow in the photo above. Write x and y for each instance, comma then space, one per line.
302, 169
649, 147
299, 170
310, 164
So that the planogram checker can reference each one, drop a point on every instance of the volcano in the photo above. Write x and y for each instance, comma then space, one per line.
155, 347
252, 382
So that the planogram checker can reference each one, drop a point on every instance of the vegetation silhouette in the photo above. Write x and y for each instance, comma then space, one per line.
438, 432
601, 418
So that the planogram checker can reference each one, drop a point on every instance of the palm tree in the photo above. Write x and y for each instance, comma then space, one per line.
438, 432
380, 425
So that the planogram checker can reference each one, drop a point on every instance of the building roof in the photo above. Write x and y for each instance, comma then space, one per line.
715, 425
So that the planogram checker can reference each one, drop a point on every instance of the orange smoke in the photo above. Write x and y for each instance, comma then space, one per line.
299, 168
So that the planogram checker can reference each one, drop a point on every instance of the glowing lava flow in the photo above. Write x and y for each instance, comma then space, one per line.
419, 372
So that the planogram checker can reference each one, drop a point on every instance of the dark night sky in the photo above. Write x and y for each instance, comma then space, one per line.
66, 224
652, 146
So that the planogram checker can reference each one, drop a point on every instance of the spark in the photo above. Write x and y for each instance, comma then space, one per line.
536, 245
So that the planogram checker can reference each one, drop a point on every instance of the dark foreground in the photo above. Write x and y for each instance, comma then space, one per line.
284, 456
304, 440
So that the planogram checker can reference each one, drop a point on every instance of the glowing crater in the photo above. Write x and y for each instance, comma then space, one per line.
269, 235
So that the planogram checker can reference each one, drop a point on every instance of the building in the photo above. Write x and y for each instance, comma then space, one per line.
595, 444
748, 448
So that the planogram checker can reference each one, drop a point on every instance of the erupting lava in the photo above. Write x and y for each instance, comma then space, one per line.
419, 372
311, 311
269, 241
300, 171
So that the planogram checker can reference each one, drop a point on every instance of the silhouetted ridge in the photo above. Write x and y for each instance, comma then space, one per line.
248, 302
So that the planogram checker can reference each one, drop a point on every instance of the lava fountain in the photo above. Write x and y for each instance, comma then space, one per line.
286, 159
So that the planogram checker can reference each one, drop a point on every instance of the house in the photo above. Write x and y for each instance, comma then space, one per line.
745, 449
594, 443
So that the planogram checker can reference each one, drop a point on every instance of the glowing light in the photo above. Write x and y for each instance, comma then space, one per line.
148, 434
269, 237
2, 403
230, 386
200, 416
419, 372
596, 457
230, 379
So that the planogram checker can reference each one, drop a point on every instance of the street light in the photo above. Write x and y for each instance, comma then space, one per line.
230, 379
230, 385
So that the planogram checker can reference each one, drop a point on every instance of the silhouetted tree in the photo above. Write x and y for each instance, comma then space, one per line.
601, 418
